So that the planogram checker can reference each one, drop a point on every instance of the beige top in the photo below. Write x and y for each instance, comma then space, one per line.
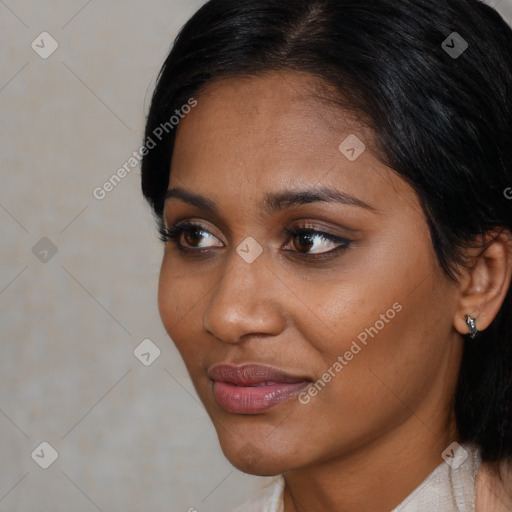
463, 484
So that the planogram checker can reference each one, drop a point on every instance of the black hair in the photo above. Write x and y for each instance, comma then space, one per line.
441, 120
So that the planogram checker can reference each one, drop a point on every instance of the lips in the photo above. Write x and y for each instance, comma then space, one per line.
253, 389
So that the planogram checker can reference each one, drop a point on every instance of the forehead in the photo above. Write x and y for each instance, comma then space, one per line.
293, 104
251, 135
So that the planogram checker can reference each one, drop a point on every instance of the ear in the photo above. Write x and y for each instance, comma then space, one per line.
483, 286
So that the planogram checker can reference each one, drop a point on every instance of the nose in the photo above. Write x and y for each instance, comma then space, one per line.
248, 300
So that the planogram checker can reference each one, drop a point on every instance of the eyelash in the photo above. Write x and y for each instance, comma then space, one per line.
173, 234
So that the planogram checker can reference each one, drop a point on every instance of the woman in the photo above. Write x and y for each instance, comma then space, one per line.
331, 179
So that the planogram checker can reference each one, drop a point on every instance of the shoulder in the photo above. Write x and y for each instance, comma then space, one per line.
493, 490
267, 499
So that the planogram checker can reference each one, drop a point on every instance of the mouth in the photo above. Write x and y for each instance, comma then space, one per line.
252, 388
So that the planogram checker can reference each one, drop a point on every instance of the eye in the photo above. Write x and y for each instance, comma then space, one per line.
309, 241
306, 241
193, 235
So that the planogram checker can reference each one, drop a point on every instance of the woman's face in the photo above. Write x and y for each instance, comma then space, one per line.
353, 302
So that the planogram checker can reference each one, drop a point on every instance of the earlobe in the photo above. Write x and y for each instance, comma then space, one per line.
484, 283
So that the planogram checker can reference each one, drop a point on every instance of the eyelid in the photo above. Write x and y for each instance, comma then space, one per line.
306, 227
338, 232
187, 223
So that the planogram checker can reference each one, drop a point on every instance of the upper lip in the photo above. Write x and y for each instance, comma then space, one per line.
251, 374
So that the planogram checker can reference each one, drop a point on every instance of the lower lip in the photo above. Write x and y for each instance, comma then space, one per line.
254, 399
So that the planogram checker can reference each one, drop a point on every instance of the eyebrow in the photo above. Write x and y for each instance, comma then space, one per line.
275, 202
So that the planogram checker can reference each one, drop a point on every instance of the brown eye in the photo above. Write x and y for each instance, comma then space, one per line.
193, 236
310, 242
189, 236
304, 242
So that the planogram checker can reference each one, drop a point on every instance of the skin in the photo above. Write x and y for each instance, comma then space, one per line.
379, 427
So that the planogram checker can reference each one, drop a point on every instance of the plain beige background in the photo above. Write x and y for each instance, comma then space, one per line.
129, 437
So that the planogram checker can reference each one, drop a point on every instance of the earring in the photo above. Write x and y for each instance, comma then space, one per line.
470, 321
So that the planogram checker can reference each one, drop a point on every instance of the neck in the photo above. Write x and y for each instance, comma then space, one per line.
375, 477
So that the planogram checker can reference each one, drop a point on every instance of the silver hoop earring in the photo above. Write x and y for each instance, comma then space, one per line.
470, 321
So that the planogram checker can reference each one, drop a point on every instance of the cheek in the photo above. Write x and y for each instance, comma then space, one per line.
169, 305
365, 296
380, 383
180, 299
389, 318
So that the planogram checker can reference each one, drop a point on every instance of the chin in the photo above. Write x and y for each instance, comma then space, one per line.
263, 460
260, 467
